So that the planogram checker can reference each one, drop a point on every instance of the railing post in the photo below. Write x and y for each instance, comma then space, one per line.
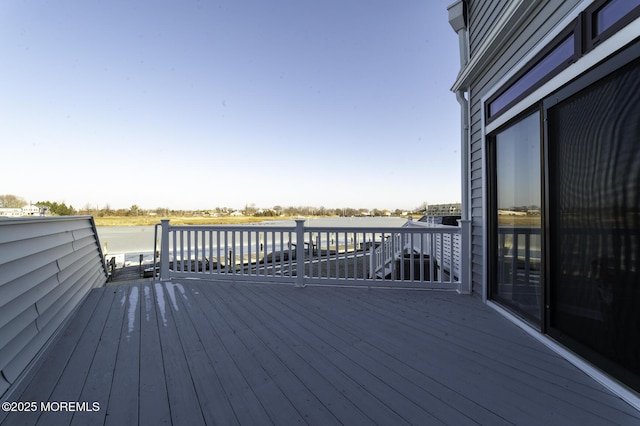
300, 253
164, 250
465, 257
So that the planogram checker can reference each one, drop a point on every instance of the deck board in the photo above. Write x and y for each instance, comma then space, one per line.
122, 409
246, 406
373, 360
183, 400
312, 388
195, 352
524, 363
233, 335
211, 395
381, 339
408, 339
258, 341
390, 403
97, 386
75, 372
152, 389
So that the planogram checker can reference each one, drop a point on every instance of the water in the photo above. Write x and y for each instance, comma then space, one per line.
127, 243
125, 239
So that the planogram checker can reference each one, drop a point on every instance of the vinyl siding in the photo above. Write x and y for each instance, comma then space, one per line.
482, 15
47, 266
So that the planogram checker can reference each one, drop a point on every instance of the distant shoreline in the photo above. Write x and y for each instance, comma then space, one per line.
182, 220
192, 220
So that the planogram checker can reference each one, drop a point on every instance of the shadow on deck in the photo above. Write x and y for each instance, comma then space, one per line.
190, 352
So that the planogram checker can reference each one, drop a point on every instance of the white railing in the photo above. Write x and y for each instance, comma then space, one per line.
385, 255
309, 255
519, 255
448, 245
452, 246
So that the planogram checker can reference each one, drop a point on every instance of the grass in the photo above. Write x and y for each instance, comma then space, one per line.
505, 220
182, 220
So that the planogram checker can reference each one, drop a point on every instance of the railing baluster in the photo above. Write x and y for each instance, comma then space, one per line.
181, 251
354, 251
290, 246
300, 282
250, 252
174, 234
527, 256
210, 251
233, 252
514, 258
345, 259
188, 264
194, 250
440, 257
273, 255
402, 264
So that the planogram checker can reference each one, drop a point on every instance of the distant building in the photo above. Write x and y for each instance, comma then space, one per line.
442, 209
31, 210
28, 210
10, 212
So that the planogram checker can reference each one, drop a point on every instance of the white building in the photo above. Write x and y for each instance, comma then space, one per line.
31, 210
10, 212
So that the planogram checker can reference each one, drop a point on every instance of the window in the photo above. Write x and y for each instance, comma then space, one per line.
561, 52
517, 217
605, 18
600, 21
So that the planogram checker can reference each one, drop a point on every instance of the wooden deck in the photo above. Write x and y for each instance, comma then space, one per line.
193, 352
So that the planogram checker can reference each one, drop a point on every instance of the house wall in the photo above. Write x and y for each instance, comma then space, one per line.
599, 74
480, 16
499, 58
47, 266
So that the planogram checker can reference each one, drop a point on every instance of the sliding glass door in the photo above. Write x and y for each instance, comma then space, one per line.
516, 215
594, 219
564, 202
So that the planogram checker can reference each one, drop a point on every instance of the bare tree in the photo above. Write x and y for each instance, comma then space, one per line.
11, 201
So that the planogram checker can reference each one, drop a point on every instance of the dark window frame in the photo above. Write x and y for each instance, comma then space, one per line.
585, 39
608, 68
492, 237
574, 29
591, 39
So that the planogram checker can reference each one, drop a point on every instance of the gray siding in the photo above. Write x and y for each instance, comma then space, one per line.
482, 15
47, 266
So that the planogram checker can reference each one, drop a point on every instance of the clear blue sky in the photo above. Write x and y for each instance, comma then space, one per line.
192, 104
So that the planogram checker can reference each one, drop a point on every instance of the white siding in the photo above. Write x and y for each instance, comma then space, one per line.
47, 266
